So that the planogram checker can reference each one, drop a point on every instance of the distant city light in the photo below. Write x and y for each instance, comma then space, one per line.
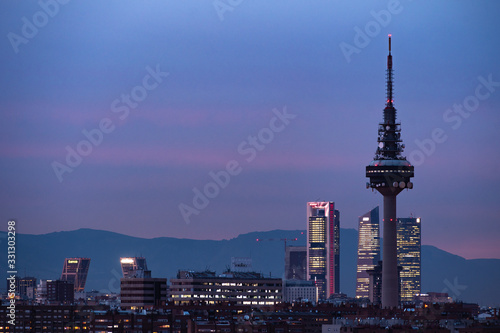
127, 260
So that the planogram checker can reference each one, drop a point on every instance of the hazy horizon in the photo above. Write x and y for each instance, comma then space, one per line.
234, 237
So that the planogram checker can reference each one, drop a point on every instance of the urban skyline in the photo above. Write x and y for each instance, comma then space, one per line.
460, 287
162, 131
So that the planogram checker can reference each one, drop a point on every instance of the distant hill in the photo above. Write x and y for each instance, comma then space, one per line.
42, 256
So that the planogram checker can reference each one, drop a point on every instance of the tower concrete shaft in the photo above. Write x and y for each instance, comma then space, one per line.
390, 285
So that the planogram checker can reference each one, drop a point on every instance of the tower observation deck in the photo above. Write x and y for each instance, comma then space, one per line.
389, 174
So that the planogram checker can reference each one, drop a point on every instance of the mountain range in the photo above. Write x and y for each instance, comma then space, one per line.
42, 256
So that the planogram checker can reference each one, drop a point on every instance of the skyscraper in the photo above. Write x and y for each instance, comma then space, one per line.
75, 271
409, 257
389, 173
133, 267
323, 247
60, 292
295, 263
22, 286
142, 292
375, 284
368, 250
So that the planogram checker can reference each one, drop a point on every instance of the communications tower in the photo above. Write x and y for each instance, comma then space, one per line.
389, 173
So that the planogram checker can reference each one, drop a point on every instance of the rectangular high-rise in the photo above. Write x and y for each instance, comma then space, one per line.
247, 288
295, 263
368, 250
300, 291
323, 247
142, 293
75, 271
60, 292
22, 286
409, 250
375, 284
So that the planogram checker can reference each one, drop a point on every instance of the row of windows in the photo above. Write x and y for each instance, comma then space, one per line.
226, 296
389, 170
231, 293
224, 284
143, 283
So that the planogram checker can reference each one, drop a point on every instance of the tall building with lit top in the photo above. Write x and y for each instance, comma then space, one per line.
323, 247
409, 251
142, 292
133, 267
75, 270
368, 250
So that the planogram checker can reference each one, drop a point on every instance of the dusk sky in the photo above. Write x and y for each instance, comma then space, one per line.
287, 95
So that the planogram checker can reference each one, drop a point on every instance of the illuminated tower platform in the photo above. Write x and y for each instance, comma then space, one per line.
389, 173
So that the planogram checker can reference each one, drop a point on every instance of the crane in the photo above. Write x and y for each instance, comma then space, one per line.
277, 239
285, 240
